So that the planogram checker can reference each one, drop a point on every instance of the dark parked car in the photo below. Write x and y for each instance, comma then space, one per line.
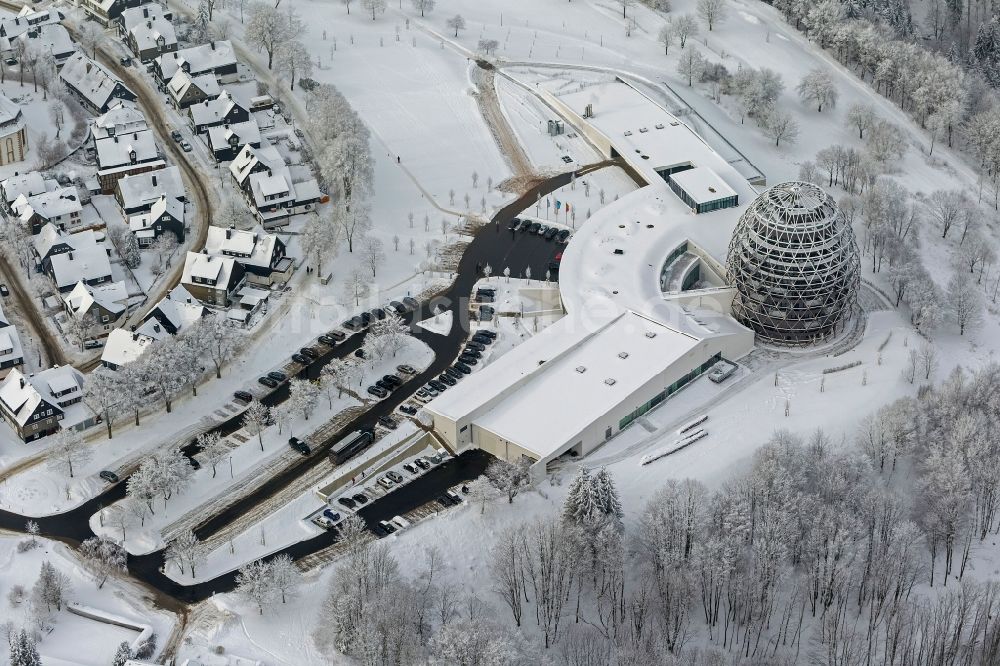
526, 226
299, 445
463, 368
392, 380
387, 422
327, 340
421, 463
194, 463
360, 353
378, 313
482, 339
110, 477
514, 224
125, 61
411, 302
360, 498
563, 235
384, 385
474, 353
337, 335
366, 318
395, 476
277, 375
243, 396
453, 373
406, 369
346, 502
468, 360
409, 468
551, 233
377, 391
535, 228
354, 324
472, 344
4, 290
437, 385
331, 515
553, 267
386, 526
268, 382
408, 409
486, 291
299, 358
444, 500
447, 379
398, 307
487, 332
176, 136
310, 352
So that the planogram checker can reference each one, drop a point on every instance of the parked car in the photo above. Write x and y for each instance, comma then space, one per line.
243, 396
176, 136
444, 501
445, 378
526, 227
462, 367
486, 291
337, 335
453, 373
366, 318
563, 235
421, 463
468, 359
354, 324
472, 344
299, 445
268, 382
406, 369
194, 463
327, 340
400, 522
514, 224
125, 61
310, 352
411, 302
378, 392
550, 234
484, 298
558, 257
395, 476
398, 307
453, 496
109, 476
409, 468
299, 358
487, 332
423, 399
437, 385
540, 230
474, 353
277, 375
386, 526
331, 515
387, 422
185, 146
408, 409
392, 380
360, 498
431, 391
346, 502
4, 291
384, 482
384, 385
360, 353
482, 339
553, 267
378, 313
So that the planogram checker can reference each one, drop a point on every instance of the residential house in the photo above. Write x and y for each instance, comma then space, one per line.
28, 184
137, 194
174, 313
11, 351
212, 279
101, 307
226, 141
28, 19
96, 87
122, 118
166, 215
261, 254
106, 11
134, 16
13, 133
217, 58
126, 155
38, 405
60, 207
123, 347
269, 187
223, 110
184, 89
50, 241
150, 37
87, 261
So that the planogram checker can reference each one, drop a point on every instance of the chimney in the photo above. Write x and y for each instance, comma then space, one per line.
154, 180
135, 337
88, 68
115, 138
229, 233
149, 25
145, 12
213, 46
71, 255
156, 327
22, 382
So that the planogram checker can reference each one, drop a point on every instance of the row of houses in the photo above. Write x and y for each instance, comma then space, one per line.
41, 29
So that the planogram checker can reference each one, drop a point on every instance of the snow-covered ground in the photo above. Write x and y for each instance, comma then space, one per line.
76, 640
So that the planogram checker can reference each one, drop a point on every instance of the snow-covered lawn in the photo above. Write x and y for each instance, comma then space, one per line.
75, 640
439, 323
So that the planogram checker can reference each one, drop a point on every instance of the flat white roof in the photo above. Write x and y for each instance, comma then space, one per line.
703, 185
591, 378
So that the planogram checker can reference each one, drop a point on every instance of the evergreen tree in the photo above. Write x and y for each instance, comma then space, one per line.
606, 499
579, 503
23, 651
123, 654
986, 52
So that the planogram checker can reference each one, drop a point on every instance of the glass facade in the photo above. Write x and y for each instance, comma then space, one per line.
667, 392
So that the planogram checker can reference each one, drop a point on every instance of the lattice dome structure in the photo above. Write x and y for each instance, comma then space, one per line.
794, 262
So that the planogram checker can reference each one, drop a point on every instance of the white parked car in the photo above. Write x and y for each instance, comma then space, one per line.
400, 522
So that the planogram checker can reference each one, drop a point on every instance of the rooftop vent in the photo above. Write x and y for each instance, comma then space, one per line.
628, 132
711, 189
659, 125
618, 250
650, 334
581, 369
643, 130
622, 355
610, 381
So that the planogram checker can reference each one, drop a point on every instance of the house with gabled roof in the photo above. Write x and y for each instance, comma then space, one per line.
28, 184
101, 307
185, 89
226, 141
150, 37
86, 261
174, 313
261, 254
216, 58
43, 403
212, 279
125, 155
96, 87
121, 118
11, 351
269, 187
166, 215
222, 110
60, 207
106, 11
137, 193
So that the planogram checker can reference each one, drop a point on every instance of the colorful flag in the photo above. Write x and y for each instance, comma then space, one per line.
558, 204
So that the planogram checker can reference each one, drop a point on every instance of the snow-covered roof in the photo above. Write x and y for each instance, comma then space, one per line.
207, 267
87, 261
147, 34
181, 82
248, 159
200, 59
142, 224
52, 38
48, 205
123, 347
47, 237
115, 151
10, 341
252, 248
112, 296
212, 110
89, 79
179, 308
121, 118
9, 112
144, 189
21, 393
26, 20
703, 185
248, 132
28, 184
134, 16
